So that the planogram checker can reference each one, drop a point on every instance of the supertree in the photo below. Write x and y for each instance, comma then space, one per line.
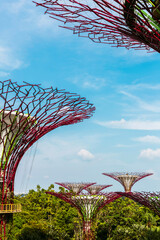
127, 179
123, 23
147, 199
27, 113
87, 204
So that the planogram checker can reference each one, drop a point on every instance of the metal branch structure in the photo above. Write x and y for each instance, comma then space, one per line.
122, 23
76, 187
28, 112
148, 199
127, 179
96, 189
87, 204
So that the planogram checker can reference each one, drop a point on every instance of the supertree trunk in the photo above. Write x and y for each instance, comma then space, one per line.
5, 219
3, 228
88, 233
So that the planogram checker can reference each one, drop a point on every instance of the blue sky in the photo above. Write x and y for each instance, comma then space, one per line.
123, 134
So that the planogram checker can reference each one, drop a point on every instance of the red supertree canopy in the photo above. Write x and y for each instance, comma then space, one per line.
148, 199
87, 204
27, 113
127, 179
123, 23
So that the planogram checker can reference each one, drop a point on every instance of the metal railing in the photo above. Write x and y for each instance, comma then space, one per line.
10, 208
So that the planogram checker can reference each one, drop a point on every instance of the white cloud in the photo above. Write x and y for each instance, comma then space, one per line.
86, 155
135, 57
140, 86
150, 153
8, 60
131, 124
122, 146
95, 83
16, 6
152, 107
46, 177
4, 74
24, 22
148, 139
89, 81
33, 19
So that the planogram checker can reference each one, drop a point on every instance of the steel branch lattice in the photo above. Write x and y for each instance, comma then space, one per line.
127, 179
148, 199
27, 113
75, 187
96, 189
87, 204
123, 23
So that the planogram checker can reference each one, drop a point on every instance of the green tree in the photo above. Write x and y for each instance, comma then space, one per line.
124, 219
47, 217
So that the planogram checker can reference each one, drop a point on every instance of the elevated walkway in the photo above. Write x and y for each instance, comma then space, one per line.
10, 208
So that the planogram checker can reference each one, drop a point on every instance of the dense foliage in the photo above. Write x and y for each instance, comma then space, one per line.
45, 217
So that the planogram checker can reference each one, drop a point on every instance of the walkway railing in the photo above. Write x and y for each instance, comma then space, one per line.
10, 208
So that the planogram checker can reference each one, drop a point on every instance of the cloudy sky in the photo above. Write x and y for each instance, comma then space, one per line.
124, 85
